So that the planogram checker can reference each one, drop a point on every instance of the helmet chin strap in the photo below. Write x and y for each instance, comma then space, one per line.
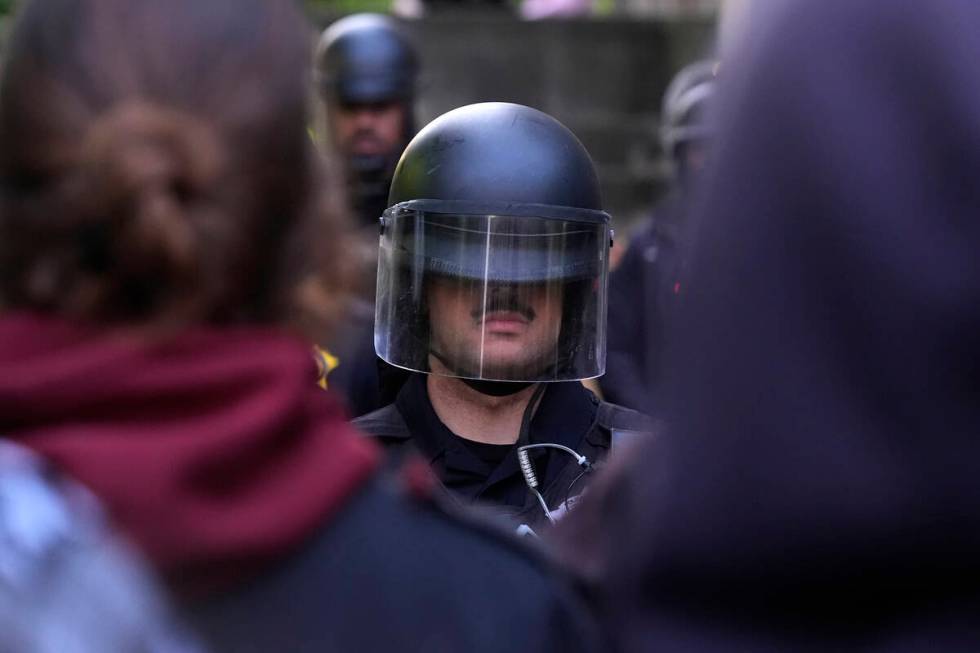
369, 165
497, 388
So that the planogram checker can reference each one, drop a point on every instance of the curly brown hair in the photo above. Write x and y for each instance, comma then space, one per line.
155, 166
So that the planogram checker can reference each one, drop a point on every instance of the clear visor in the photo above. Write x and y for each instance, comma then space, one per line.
495, 298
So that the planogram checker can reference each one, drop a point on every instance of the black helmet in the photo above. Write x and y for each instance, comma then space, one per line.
684, 116
365, 58
500, 204
499, 157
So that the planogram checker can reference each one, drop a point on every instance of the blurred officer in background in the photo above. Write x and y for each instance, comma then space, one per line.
158, 191
644, 288
819, 488
367, 73
492, 283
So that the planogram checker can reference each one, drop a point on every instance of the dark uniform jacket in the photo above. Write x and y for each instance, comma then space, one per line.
365, 382
643, 292
568, 414
452, 582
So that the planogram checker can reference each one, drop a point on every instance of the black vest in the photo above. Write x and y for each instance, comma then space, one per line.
612, 427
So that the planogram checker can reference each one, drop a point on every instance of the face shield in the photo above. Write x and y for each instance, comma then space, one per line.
492, 297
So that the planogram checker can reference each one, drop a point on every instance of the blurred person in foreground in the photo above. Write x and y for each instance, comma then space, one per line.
159, 191
366, 79
68, 582
818, 489
492, 288
644, 288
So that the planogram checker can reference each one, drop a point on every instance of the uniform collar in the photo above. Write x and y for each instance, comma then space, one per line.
566, 415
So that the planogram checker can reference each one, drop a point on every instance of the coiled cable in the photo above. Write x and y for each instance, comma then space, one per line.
527, 469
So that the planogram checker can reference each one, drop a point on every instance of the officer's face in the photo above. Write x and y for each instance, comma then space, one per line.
368, 129
509, 331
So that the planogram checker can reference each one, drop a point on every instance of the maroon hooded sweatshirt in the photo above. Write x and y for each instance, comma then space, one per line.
212, 449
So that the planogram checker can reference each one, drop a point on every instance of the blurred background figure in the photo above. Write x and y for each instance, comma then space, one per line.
366, 76
818, 486
366, 73
159, 198
646, 285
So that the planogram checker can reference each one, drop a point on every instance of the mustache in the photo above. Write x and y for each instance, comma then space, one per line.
504, 303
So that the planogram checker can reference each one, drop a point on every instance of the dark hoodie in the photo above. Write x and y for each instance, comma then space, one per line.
820, 486
217, 453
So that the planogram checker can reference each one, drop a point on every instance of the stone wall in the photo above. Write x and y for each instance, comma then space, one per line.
603, 78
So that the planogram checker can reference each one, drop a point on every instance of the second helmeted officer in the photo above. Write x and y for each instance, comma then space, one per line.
367, 71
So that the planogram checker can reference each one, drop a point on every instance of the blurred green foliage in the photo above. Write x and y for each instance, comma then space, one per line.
319, 6
338, 7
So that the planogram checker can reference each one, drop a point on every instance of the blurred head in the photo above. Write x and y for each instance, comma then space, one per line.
736, 19
823, 369
686, 132
154, 162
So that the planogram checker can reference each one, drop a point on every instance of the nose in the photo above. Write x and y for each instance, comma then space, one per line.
365, 117
502, 287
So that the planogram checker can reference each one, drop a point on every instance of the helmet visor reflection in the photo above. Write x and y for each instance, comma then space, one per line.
492, 297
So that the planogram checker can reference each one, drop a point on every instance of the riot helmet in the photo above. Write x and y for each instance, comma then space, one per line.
366, 65
685, 107
366, 58
494, 251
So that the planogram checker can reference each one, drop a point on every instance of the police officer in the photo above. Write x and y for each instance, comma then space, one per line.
492, 287
367, 71
647, 283
686, 132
